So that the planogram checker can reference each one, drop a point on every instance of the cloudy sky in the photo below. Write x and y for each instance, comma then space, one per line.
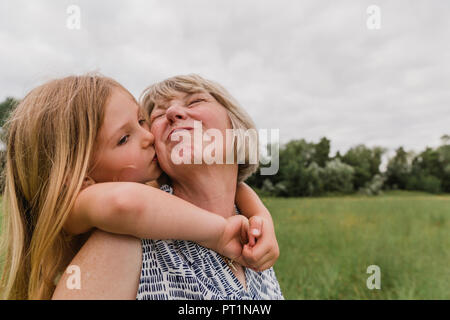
309, 68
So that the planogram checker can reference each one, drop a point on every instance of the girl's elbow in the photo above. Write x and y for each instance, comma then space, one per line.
124, 200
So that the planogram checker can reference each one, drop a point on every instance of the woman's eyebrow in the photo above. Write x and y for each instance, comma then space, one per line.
163, 106
166, 104
194, 94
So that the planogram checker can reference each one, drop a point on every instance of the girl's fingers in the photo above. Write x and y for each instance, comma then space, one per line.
254, 255
256, 226
255, 229
259, 250
251, 239
244, 231
247, 255
265, 263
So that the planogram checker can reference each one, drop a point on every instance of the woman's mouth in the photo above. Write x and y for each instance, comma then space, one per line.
182, 129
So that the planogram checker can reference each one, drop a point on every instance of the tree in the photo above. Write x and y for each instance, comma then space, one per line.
306, 169
5, 109
338, 177
428, 162
321, 152
366, 163
295, 158
426, 173
398, 169
445, 139
444, 160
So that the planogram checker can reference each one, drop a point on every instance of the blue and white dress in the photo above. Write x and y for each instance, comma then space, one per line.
184, 270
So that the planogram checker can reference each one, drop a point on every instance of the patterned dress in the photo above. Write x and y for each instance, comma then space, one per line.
178, 269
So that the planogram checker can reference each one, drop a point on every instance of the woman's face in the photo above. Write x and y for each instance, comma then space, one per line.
125, 146
180, 113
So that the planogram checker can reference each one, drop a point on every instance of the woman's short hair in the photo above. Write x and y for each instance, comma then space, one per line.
240, 120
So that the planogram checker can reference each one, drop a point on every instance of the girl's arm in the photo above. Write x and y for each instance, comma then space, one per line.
146, 212
262, 250
249, 203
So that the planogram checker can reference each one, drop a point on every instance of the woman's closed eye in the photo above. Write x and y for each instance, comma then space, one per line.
196, 101
156, 116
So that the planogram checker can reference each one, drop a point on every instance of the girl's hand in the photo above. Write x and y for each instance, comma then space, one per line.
233, 238
261, 252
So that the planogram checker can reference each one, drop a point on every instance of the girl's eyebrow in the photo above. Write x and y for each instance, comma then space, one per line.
123, 127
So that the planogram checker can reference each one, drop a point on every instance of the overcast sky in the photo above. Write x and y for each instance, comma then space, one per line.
308, 68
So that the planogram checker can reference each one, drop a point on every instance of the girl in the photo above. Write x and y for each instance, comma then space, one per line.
68, 142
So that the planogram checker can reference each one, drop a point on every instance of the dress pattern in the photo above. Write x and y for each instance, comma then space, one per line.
184, 270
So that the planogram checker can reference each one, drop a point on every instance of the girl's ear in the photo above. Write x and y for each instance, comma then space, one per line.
87, 181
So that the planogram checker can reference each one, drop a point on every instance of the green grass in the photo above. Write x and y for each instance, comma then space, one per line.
326, 245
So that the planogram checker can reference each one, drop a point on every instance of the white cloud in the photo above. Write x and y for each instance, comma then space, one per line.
309, 68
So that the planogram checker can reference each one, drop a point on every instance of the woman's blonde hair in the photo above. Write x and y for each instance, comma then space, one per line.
192, 83
50, 138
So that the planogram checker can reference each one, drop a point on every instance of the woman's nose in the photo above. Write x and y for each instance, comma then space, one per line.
175, 113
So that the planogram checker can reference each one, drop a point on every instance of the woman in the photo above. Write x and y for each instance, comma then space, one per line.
116, 266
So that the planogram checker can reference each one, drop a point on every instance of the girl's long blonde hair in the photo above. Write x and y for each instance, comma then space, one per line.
50, 138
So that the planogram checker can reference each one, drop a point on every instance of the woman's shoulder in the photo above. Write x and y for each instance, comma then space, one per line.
102, 240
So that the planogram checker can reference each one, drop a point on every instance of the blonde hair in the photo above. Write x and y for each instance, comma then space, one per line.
192, 83
50, 138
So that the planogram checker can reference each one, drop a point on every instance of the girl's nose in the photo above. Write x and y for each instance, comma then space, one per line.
148, 140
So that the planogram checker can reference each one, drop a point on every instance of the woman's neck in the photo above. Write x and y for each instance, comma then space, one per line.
212, 190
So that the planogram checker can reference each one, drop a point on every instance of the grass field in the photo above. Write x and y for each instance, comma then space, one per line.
326, 245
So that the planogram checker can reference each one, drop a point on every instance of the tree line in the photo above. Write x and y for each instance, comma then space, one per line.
307, 169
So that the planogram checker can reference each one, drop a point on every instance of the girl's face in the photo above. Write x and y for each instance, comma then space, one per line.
124, 147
